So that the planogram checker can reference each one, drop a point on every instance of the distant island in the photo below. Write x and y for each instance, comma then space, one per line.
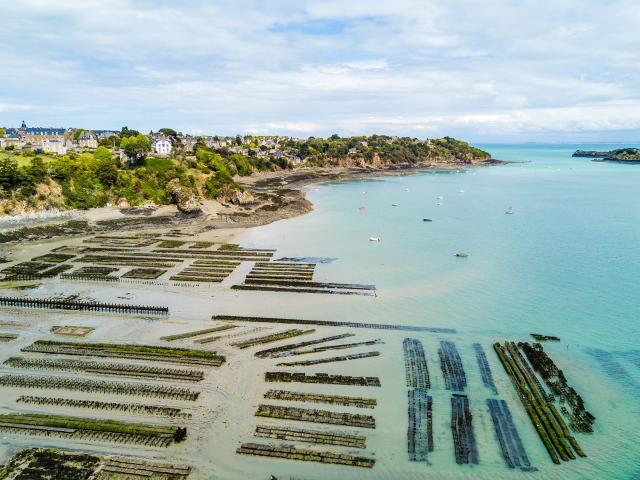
621, 155
43, 169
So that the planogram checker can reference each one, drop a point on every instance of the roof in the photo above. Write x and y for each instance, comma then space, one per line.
35, 131
44, 131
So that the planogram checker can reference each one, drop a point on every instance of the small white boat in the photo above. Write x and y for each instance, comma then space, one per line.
461, 255
440, 197
509, 211
374, 239
438, 204
394, 204
461, 191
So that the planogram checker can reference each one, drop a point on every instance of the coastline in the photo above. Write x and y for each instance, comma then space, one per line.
277, 196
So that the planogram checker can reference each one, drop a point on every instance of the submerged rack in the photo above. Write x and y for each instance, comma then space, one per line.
420, 430
181, 356
323, 378
128, 408
415, 364
92, 429
147, 372
274, 337
310, 436
316, 416
83, 306
342, 358
345, 401
328, 323
452, 369
288, 350
485, 369
464, 440
98, 386
290, 452
510, 443
552, 430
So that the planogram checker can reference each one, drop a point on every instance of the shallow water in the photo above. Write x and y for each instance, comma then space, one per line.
564, 263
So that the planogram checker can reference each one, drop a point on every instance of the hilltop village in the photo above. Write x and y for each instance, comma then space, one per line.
162, 143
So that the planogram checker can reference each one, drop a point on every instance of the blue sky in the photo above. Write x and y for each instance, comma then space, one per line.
485, 71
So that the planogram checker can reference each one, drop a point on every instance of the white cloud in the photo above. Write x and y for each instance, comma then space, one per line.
497, 70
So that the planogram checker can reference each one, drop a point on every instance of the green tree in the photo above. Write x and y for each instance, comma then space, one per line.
9, 175
125, 132
136, 148
107, 173
106, 168
2, 132
110, 142
242, 164
102, 154
77, 133
169, 132
37, 170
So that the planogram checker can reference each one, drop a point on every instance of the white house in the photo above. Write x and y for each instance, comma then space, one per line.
162, 146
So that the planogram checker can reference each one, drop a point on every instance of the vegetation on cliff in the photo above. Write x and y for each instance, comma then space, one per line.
32, 181
385, 150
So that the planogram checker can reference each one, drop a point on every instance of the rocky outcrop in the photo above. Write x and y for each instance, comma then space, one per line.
123, 204
234, 196
184, 198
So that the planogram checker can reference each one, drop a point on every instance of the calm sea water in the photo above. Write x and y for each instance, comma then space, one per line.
566, 263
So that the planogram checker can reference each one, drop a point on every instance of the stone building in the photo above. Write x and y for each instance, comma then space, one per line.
35, 136
88, 140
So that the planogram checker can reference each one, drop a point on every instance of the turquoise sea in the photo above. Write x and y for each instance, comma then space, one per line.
565, 263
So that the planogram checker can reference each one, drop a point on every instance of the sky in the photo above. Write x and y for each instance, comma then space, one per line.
483, 71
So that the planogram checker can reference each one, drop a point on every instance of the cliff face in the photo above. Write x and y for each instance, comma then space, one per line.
47, 197
378, 161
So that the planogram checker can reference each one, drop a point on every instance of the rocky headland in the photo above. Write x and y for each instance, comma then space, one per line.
621, 155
